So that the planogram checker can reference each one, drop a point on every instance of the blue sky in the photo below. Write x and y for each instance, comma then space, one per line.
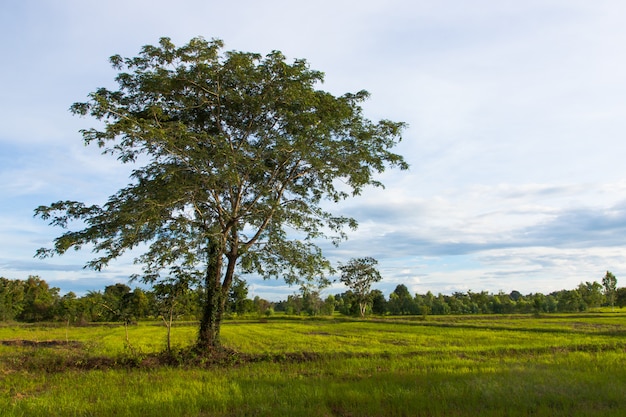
516, 113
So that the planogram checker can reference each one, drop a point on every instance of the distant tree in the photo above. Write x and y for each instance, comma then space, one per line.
139, 303
67, 308
379, 303
311, 299
591, 293
11, 299
238, 150
620, 297
93, 307
293, 304
420, 304
116, 303
262, 306
120, 304
402, 291
609, 282
328, 306
570, 301
238, 297
552, 303
502, 303
524, 305
460, 303
439, 306
347, 304
359, 274
39, 300
401, 301
481, 301
456, 304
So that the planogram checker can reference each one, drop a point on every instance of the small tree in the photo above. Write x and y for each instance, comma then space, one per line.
311, 300
67, 309
171, 299
117, 303
609, 282
328, 306
238, 297
359, 274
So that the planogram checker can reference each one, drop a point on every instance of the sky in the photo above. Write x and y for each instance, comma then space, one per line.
516, 116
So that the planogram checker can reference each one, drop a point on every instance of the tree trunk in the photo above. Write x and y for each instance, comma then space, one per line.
209, 334
362, 308
168, 325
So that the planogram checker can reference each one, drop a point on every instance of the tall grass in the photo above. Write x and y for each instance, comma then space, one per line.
509, 366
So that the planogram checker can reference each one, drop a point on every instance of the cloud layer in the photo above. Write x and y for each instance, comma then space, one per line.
516, 114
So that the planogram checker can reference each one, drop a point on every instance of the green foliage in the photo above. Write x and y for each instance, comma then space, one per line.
11, 298
564, 365
591, 293
401, 301
609, 282
38, 300
328, 306
238, 298
238, 150
174, 300
359, 274
67, 307
570, 301
379, 303
347, 304
171, 300
620, 297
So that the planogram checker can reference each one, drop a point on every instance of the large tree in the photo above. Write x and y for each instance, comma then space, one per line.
237, 153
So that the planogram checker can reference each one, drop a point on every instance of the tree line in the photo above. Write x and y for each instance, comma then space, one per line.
34, 300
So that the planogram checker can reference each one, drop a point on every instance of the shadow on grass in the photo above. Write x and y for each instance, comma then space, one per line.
54, 356
43, 343
575, 327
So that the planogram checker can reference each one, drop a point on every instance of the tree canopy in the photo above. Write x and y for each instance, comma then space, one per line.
609, 282
235, 154
359, 274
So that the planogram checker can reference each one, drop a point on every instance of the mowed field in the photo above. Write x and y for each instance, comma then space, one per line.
555, 365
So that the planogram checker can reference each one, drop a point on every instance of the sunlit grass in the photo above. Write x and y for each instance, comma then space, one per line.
488, 366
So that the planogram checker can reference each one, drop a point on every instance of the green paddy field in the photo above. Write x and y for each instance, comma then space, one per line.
555, 365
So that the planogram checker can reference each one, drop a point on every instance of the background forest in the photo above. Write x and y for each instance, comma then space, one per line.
33, 300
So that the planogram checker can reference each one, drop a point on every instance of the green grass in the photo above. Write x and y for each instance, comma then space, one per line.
566, 365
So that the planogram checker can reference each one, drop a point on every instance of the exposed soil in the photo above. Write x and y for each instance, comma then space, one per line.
42, 343
64, 356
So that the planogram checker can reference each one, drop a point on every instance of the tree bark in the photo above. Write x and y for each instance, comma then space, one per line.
213, 309
209, 335
362, 308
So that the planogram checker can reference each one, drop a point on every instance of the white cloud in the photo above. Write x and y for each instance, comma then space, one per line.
515, 112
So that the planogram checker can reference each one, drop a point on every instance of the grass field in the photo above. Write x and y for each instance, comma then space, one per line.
565, 365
